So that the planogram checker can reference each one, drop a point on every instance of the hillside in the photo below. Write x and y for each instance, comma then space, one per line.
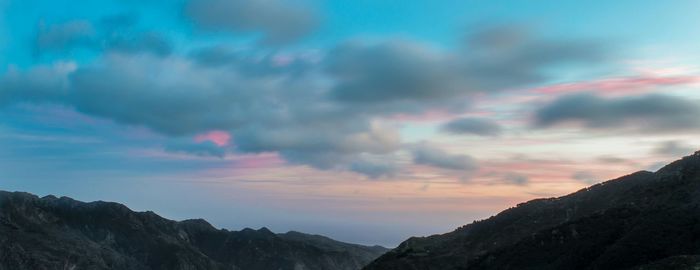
643, 220
61, 233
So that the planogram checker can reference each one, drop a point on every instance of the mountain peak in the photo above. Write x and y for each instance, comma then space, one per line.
687, 165
197, 223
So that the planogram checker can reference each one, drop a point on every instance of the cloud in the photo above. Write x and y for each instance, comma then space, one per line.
399, 76
150, 42
179, 98
253, 64
647, 113
391, 71
166, 95
115, 33
220, 138
42, 84
474, 126
425, 154
673, 148
374, 168
510, 57
64, 36
585, 177
637, 83
202, 149
611, 160
337, 147
215, 56
279, 22
324, 113
516, 179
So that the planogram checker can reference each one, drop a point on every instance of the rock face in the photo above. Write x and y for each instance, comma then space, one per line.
52, 233
641, 221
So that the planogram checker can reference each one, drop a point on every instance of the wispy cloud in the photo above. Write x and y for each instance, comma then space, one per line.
673, 149
621, 85
278, 21
475, 126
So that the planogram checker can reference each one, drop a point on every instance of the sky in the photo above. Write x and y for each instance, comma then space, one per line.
367, 121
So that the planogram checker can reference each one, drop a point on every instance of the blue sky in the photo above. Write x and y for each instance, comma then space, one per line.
368, 121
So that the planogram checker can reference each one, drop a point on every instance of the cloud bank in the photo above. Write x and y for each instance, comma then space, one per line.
473, 126
652, 113
328, 112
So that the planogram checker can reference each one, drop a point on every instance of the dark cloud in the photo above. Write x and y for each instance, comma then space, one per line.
408, 76
612, 160
374, 168
507, 57
175, 97
279, 22
426, 154
474, 126
42, 84
673, 148
647, 113
393, 71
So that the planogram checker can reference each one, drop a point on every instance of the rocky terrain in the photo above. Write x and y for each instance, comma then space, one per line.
640, 221
52, 233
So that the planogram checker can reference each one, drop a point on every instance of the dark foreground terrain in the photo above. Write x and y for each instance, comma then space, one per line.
52, 233
640, 221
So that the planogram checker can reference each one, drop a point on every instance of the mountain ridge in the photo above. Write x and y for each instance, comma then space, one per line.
634, 207
62, 233
641, 221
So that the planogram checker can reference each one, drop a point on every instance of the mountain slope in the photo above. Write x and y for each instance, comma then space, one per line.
644, 220
62, 233
363, 253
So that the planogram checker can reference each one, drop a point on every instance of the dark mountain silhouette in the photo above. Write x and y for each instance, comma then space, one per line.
52, 233
640, 221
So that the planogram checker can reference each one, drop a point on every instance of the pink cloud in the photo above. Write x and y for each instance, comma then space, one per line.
555, 171
220, 138
259, 161
429, 116
620, 85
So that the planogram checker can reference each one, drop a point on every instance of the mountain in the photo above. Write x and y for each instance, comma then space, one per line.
61, 233
643, 221
364, 254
